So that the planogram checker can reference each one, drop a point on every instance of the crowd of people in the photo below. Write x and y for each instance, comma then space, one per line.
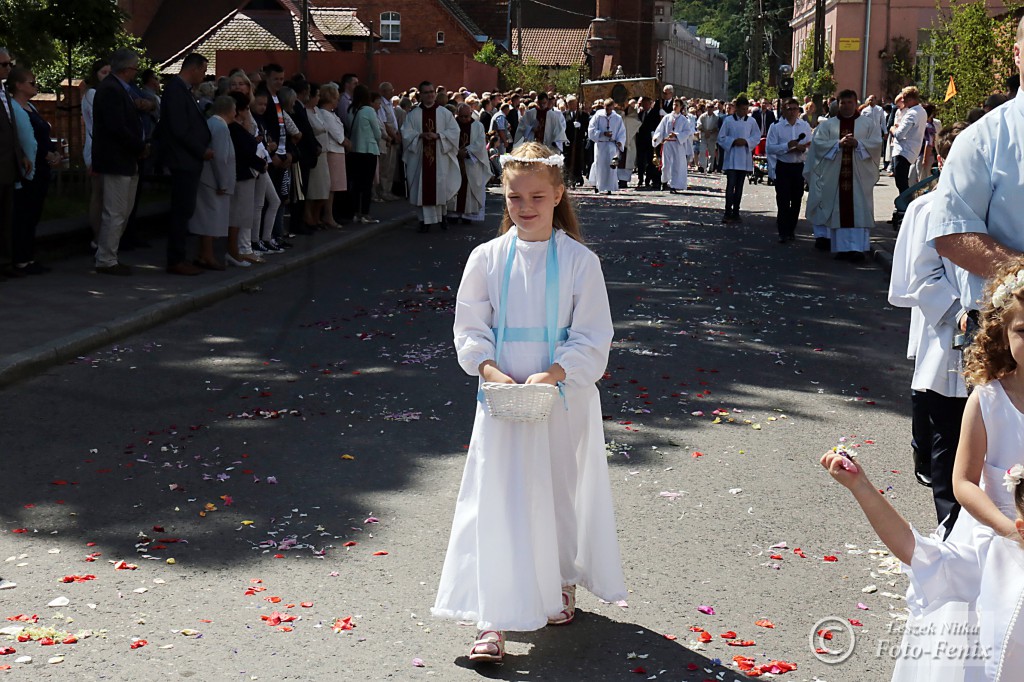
255, 159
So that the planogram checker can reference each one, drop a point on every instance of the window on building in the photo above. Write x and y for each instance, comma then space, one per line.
390, 27
440, 37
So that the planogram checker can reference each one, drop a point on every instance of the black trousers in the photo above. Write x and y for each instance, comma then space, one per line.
734, 181
646, 172
789, 195
6, 223
720, 158
28, 209
363, 167
901, 172
936, 429
184, 188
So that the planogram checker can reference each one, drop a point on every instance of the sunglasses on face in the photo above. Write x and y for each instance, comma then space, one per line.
5, 64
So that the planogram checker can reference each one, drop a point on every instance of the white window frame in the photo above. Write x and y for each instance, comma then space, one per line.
440, 37
390, 27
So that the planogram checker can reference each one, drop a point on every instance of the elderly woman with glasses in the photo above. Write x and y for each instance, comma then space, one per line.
29, 197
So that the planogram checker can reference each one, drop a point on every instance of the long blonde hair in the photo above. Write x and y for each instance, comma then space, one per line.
565, 215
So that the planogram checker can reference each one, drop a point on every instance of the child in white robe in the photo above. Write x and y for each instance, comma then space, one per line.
674, 134
534, 516
985, 568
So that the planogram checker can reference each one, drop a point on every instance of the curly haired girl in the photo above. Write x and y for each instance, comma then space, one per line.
994, 419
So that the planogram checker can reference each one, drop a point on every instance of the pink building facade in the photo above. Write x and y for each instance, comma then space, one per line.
858, 30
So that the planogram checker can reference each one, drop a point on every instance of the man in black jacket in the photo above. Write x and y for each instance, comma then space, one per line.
184, 142
118, 145
648, 175
577, 122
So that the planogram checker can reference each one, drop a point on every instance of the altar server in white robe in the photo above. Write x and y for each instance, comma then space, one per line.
430, 139
608, 133
544, 124
738, 136
475, 168
841, 172
675, 134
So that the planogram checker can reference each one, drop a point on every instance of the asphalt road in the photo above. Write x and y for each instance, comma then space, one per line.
278, 443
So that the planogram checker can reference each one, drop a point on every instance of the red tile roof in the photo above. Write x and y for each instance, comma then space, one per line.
269, 30
553, 46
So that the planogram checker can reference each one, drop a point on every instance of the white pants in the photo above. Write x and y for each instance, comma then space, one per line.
265, 196
118, 201
431, 215
245, 191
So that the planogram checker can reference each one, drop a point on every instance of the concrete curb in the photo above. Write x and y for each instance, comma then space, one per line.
25, 364
882, 257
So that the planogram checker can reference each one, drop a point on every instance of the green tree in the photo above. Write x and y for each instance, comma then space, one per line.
512, 73
898, 65
964, 47
807, 81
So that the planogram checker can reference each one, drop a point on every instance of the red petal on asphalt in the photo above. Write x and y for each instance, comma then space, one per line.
20, 530
705, 637
139, 643
697, 454
670, 638
639, 670
380, 554
825, 634
728, 635
831, 559
799, 552
692, 666
350, 544
764, 623
158, 529
28, 506
7, 650
286, 628
856, 623
273, 600
46, 641
70, 639
279, 556
307, 604
59, 481
694, 628
744, 642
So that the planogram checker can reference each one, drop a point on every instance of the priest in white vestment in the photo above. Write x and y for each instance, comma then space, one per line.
675, 134
544, 124
841, 172
608, 133
475, 169
430, 137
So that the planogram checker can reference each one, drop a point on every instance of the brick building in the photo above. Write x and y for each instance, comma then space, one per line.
857, 31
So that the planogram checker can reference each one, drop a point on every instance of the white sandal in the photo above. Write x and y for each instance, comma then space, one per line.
489, 647
568, 612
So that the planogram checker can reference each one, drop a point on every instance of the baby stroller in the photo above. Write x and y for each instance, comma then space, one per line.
760, 163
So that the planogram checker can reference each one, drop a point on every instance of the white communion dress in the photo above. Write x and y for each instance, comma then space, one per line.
534, 512
956, 605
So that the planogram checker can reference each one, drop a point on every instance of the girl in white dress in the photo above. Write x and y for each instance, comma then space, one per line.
990, 437
534, 516
985, 569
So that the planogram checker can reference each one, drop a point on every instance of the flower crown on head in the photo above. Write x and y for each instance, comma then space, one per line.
1010, 285
1013, 476
556, 160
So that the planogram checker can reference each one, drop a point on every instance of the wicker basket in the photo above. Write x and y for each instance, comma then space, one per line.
519, 402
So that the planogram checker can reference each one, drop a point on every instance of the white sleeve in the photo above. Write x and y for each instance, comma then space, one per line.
943, 571
584, 356
964, 191
474, 315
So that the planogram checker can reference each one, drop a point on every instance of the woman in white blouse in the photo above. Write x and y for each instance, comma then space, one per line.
335, 149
